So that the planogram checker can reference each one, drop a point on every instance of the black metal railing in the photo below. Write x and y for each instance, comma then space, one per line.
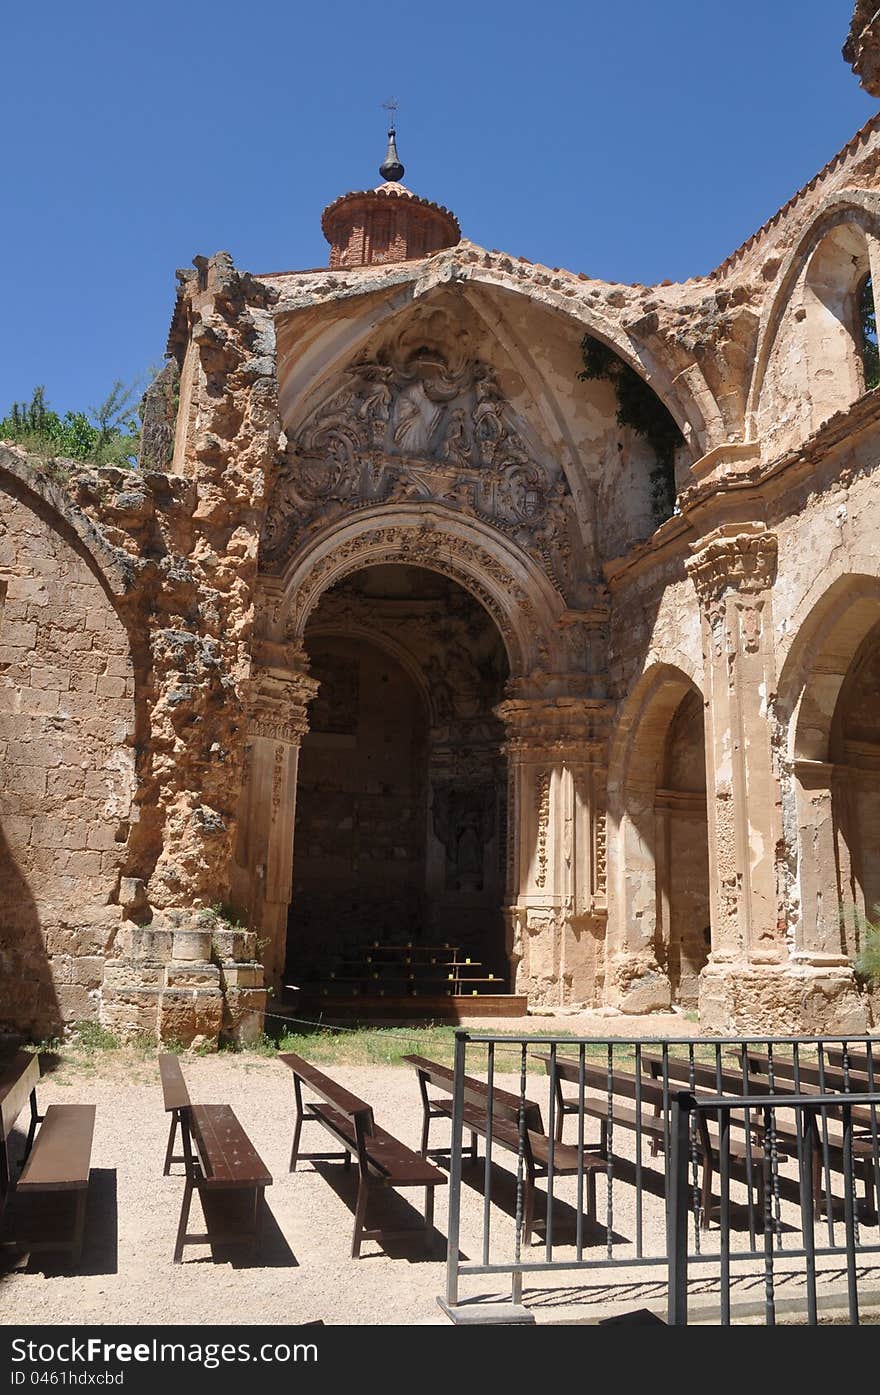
725, 1159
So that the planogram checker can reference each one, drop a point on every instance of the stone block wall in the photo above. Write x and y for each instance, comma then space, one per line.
66, 771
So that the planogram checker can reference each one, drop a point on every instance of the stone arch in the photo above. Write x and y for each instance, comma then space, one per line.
110, 568
639, 808
845, 223
823, 790
67, 779
510, 586
686, 395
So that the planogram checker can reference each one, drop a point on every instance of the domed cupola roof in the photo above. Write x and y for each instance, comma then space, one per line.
386, 224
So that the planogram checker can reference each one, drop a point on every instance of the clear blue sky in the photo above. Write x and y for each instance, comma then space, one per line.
633, 141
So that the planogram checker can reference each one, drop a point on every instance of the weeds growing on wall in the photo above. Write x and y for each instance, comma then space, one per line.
639, 408
108, 434
867, 962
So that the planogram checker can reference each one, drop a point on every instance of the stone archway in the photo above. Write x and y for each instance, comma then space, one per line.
832, 778
501, 579
400, 823
658, 846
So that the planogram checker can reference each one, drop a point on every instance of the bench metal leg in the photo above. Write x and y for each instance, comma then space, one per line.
429, 1215
426, 1124
359, 1218
297, 1130
79, 1225
259, 1219
32, 1129
169, 1151
184, 1220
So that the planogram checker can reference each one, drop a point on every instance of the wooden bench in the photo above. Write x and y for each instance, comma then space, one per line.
536, 1148
646, 1116
705, 1076
57, 1158
383, 1161
223, 1160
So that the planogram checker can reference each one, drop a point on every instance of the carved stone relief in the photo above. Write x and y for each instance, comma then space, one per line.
413, 428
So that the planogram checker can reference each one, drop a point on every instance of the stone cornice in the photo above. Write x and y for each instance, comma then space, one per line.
569, 725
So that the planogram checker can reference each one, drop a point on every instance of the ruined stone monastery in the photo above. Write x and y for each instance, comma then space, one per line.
398, 635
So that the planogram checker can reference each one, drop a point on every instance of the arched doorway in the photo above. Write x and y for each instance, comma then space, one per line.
828, 699
659, 916
855, 751
400, 819
683, 853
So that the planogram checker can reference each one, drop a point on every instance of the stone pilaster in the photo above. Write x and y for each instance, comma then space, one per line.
277, 722
751, 981
556, 895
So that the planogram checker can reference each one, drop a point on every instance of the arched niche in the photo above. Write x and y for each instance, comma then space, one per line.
832, 774
657, 845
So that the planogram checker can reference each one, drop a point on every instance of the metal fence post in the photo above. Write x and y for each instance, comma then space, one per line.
677, 1212
461, 1039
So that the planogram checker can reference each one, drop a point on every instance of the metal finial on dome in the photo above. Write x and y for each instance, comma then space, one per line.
391, 169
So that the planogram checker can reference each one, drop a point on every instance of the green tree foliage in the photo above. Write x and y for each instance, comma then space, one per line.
639, 408
108, 434
868, 327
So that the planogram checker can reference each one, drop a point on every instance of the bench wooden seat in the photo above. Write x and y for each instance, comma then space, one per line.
538, 1151
19, 1078
646, 1092
176, 1098
218, 1157
60, 1161
383, 1161
705, 1075
56, 1159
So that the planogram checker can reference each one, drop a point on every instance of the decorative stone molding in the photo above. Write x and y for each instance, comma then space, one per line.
278, 706
735, 557
575, 727
414, 427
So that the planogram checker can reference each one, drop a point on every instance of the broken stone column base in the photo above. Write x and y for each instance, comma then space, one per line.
184, 984
636, 984
793, 999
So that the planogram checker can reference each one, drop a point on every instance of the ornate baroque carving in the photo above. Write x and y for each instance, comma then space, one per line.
456, 557
417, 430
735, 557
278, 706
543, 827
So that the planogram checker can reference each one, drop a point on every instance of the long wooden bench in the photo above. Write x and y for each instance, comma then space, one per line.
706, 1076
538, 1151
56, 1159
383, 1161
219, 1159
644, 1113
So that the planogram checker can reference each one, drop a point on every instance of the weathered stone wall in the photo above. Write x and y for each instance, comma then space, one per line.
66, 769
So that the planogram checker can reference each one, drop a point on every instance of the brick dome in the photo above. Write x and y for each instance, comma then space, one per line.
387, 224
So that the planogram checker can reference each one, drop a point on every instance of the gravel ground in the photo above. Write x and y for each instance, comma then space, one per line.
305, 1271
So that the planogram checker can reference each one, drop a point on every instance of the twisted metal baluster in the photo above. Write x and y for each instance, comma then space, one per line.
846, 1091
826, 1157
609, 1154
695, 1168
774, 1153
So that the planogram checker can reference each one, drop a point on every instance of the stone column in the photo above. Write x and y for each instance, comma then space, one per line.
277, 722
751, 981
556, 750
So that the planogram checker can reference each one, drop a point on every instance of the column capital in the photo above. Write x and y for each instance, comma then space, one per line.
277, 707
738, 557
557, 724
